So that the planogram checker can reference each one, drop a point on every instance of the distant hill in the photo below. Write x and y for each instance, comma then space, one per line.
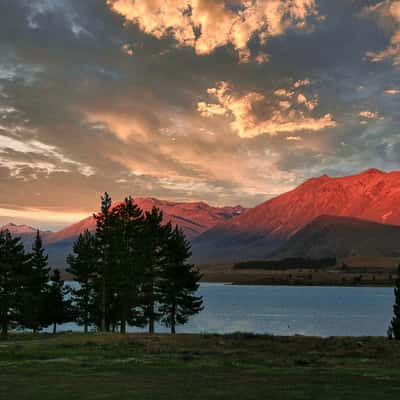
343, 237
194, 218
372, 195
26, 233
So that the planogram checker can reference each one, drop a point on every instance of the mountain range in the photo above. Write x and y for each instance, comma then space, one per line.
371, 195
342, 216
194, 218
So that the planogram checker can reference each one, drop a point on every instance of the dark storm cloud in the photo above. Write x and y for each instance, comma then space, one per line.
94, 104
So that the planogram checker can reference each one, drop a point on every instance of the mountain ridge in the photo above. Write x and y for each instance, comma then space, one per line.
372, 195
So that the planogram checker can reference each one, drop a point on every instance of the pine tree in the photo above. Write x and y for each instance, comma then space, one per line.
105, 238
128, 272
58, 310
83, 267
179, 282
153, 242
394, 329
32, 299
13, 272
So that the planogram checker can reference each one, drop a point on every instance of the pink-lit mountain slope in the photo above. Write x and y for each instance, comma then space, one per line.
372, 195
25, 232
193, 218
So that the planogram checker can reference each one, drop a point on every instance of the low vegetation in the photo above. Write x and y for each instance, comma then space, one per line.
288, 263
242, 366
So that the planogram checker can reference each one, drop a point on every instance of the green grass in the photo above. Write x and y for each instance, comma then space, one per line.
238, 366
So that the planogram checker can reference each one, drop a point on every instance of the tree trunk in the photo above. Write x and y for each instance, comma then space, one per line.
124, 315
4, 330
86, 327
151, 308
123, 326
4, 322
54, 328
173, 312
151, 319
103, 306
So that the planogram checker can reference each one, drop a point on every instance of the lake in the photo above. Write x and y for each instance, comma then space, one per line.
289, 310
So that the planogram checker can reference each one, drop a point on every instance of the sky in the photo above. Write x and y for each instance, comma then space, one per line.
228, 102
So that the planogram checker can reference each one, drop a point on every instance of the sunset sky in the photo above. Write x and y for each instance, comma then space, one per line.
230, 102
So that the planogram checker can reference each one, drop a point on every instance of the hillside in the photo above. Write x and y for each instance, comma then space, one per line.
372, 195
194, 218
26, 233
330, 236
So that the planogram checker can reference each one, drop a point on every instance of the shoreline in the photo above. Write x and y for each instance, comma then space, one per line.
321, 277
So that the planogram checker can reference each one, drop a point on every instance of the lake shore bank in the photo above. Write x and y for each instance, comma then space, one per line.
225, 273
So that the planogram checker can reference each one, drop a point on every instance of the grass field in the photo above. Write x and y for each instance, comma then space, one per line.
237, 366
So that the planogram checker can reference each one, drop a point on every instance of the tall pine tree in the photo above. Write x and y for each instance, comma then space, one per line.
128, 269
153, 242
105, 236
83, 266
179, 283
31, 307
58, 308
13, 273
394, 329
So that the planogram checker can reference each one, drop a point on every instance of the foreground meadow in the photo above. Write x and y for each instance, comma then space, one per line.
241, 366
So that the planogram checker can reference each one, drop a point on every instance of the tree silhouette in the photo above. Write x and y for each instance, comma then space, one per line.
83, 266
13, 272
178, 284
32, 300
128, 269
58, 307
153, 242
394, 328
105, 237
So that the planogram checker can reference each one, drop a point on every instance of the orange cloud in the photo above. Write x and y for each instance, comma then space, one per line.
369, 114
392, 92
43, 215
208, 24
247, 124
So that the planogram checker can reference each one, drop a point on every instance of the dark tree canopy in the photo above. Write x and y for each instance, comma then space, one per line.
394, 329
58, 310
14, 279
83, 267
133, 270
179, 283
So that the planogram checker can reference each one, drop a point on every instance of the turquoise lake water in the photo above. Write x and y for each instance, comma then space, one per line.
289, 310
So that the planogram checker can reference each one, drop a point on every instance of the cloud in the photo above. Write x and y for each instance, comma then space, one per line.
127, 48
369, 114
310, 104
387, 13
43, 158
294, 138
300, 83
247, 121
392, 92
40, 216
208, 24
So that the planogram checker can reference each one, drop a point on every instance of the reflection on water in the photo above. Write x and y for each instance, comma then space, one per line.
288, 310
